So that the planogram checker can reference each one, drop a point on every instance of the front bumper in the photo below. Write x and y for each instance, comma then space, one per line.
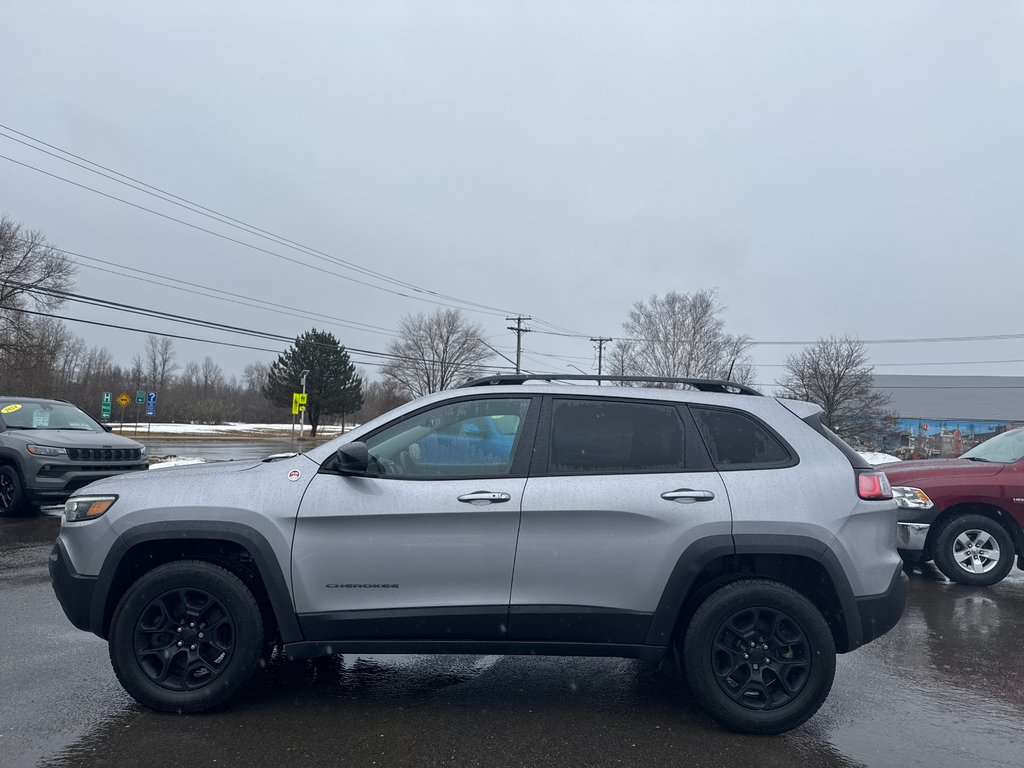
911, 536
74, 591
53, 482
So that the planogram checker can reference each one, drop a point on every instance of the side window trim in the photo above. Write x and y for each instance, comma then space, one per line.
792, 461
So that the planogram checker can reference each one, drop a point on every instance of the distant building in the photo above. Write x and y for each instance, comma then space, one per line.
947, 415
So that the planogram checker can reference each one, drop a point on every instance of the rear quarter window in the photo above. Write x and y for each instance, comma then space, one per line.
737, 440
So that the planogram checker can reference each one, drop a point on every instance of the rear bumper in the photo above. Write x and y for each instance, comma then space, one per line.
880, 613
74, 591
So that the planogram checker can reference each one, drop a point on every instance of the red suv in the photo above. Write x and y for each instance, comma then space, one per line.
968, 513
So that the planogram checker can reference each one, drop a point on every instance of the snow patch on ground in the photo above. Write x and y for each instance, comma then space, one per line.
225, 429
176, 461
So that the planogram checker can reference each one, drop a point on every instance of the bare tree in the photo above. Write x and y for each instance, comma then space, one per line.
835, 374
380, 397
681, 335
255, 376
434, 352
160, 365
32, 275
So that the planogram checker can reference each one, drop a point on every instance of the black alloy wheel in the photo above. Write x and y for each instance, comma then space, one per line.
12, 495
186, 637
759, 656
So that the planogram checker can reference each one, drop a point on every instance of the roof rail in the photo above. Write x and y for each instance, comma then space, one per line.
703, 385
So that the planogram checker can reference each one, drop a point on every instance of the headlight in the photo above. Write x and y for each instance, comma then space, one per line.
46, 450
86, 507
911, 498
142, 452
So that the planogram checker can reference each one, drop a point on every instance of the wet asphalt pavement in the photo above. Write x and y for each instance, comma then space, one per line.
945, 688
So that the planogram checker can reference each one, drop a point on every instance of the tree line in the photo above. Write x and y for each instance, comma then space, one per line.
679, 335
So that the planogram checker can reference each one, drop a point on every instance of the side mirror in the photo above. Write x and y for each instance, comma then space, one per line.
353, 458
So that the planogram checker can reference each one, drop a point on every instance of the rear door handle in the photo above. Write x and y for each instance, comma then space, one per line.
687, 495
485, 497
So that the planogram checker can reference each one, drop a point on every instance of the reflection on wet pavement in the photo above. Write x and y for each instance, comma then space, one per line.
945, 688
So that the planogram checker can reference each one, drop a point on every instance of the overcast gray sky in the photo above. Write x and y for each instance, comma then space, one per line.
828, 167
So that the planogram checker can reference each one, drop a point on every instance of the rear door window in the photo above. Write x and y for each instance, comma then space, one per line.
606, 437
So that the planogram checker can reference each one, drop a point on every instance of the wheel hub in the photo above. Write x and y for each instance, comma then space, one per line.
761, 658
976, 551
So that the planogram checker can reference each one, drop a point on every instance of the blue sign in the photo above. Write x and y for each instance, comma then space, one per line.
151, 398
151, 404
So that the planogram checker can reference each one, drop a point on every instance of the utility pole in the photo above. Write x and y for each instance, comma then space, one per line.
302, 411
519, 331
600, 341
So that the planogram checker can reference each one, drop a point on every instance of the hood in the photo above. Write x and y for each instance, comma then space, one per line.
906, 472
71, 438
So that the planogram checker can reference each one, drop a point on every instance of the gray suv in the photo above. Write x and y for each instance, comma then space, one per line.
50, 448
509, 516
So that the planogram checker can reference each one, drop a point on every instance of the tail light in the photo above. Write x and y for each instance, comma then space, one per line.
873, 486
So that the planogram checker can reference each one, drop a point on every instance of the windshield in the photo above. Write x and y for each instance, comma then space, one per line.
28, 415
1004, 449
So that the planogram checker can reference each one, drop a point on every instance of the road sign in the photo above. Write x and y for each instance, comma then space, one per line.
140, 396
123, 399
106, 398
151, 404
105, 411
151, 398
298, 402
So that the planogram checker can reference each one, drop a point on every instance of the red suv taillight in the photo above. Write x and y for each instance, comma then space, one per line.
873, 486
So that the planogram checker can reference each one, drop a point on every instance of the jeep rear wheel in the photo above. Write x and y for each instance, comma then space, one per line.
759, 657
186, 637
12, 494
974, 550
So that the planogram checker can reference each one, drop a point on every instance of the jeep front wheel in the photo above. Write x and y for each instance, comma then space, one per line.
12, 495
186, 637
759, 657
974, 550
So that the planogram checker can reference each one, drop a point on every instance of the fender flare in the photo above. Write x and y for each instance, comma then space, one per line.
702, 553
205, 530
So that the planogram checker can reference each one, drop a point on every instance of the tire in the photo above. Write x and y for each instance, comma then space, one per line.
738, 689
186, 637
12, 493
974, 550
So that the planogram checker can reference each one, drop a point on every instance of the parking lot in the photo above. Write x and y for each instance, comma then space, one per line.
945, 688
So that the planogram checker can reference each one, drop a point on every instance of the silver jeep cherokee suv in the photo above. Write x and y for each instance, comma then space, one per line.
510, 516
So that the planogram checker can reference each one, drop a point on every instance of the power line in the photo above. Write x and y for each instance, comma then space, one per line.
223, 218
242, 242
351, 324
217, 216
755, 343
172, 317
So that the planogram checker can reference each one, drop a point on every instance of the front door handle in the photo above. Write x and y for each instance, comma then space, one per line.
485, 497
687, 495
